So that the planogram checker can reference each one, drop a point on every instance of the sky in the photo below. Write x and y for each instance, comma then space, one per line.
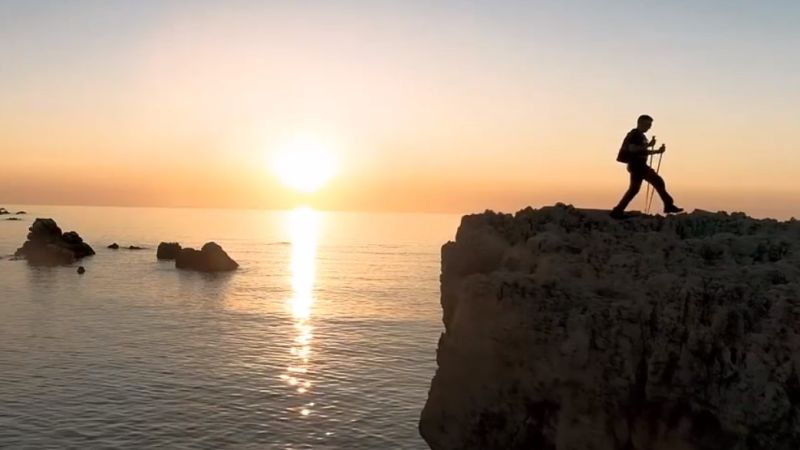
449, 106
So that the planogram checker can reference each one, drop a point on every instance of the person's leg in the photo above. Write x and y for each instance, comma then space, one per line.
658, 183
633, 189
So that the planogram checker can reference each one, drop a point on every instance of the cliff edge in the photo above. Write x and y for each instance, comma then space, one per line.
565, 329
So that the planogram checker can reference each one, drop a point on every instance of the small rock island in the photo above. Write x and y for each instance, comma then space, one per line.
48, 246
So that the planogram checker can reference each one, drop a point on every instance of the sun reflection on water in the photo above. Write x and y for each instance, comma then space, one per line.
303, 226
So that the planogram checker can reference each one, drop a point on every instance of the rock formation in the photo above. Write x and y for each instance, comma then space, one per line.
566, 330
168, 250
3, 211
48, 246
211, 258
116, 246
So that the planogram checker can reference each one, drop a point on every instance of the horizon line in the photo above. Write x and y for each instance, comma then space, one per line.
368, 211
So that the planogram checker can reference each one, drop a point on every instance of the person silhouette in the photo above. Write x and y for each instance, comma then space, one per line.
634, 152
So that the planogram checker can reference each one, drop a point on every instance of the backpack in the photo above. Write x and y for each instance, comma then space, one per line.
624, 156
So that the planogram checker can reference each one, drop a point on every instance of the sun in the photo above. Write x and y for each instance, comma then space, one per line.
304, 165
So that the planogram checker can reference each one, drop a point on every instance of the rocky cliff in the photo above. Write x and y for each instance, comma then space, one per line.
567, 330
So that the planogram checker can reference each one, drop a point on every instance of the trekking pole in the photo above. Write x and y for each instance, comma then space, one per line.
658, 168
648, 188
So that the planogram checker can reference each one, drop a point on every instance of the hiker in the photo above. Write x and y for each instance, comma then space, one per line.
634, 152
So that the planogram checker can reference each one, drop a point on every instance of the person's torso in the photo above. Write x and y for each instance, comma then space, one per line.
635, 137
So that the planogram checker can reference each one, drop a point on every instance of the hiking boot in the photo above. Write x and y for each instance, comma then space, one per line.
672, 209
617, 214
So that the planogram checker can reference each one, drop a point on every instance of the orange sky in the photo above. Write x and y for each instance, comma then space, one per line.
426, 108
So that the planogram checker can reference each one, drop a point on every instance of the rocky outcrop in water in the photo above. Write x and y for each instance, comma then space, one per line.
48, 246
116, 246
3, 211
168, 250
566, 330
211, 258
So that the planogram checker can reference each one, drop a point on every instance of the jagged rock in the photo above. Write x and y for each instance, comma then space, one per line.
21, 212
14, 219
168, 250
48, 246
566, 330
135, 247
81, 270
3, 211
114, 246
211, 258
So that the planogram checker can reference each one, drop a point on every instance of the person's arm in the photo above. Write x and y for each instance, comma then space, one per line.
641, 148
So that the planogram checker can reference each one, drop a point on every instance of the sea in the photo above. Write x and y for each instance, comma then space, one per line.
324, 338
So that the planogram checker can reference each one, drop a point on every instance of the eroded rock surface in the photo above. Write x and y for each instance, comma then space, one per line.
567, 330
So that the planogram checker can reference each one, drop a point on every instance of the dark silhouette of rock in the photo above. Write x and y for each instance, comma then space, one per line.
3, 211
21, 212
168, 250
211, 258
81, 270
14, 219
48, 246
565, 329
115, 246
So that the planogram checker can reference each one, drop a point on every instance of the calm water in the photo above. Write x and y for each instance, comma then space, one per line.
325, 337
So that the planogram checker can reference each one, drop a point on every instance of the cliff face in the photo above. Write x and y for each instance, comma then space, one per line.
567, 330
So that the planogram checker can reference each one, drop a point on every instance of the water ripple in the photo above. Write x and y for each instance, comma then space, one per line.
135, 354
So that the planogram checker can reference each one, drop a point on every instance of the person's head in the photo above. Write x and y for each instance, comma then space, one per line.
644, 123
